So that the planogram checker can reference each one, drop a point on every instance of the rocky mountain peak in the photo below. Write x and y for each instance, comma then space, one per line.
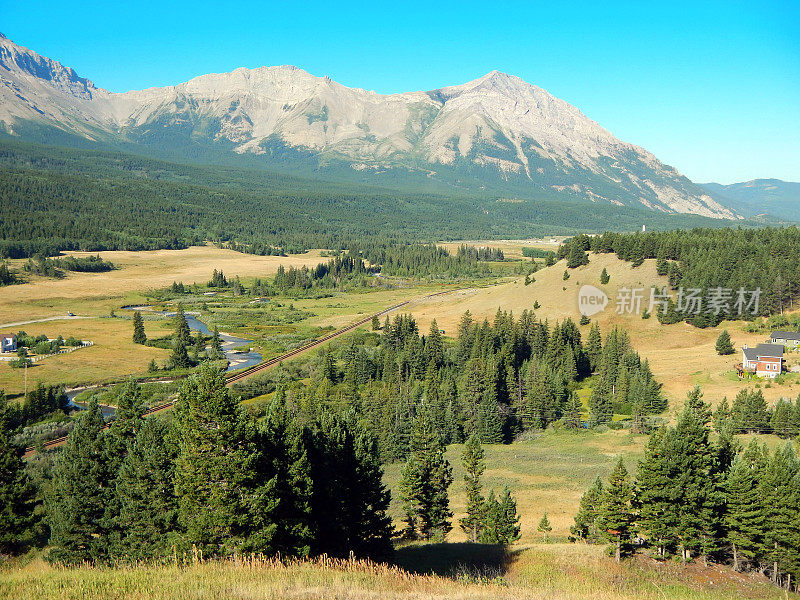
496, 132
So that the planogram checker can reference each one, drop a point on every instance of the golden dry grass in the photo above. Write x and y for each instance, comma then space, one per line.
94, 295
554, 571
113, 356
136, 272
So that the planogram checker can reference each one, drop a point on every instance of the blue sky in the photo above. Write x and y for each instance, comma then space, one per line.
712, 88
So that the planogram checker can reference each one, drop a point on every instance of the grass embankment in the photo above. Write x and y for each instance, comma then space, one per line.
558, 571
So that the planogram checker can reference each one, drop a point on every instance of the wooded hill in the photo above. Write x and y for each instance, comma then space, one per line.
707, 260
54, 199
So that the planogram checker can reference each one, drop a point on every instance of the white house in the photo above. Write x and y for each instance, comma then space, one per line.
765, 360
789, 339
8, 343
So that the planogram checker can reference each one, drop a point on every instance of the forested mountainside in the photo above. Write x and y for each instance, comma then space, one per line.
54, 199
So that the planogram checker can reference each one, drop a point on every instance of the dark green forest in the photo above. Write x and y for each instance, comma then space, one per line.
494, 381
54, 199
715, 262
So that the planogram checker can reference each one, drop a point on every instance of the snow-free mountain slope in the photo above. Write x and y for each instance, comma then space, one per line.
494, 135
761, 197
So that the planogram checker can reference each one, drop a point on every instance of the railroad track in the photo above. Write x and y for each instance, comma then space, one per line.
238, 376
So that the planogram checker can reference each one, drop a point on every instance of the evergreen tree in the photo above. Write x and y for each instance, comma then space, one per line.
199, 345
544, 527
473, 460
148, 508
215, 469
434, 345
426, 478
778, 493
376, 324
585, 527
594, 347
284, 478
656, 493
216, 345
696, 478
745, 522
576, 256
724, 345
349, 501
17, 495
722, 417
153, 366
182, 332
139, 335
489, 427
78, 494
616, 516
501, 521
604, 277
179, 357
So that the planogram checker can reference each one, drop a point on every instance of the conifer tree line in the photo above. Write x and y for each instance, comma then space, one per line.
482, 253
767, 259
749, 413
697, 499
212, 479
493, 381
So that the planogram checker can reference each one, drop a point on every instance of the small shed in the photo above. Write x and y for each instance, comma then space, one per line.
8, 343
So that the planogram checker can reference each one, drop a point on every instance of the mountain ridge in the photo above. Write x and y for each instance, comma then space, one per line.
496, 134
761, 197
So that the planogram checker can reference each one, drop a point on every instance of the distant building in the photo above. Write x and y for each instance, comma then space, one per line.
765, 360
790, 339
8, 343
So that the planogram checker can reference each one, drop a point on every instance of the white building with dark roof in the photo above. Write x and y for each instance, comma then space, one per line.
765, 360
789, 339
8, 343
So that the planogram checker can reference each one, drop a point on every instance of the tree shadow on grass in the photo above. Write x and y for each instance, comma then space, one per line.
478, 561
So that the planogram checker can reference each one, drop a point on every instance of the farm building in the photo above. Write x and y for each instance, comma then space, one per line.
8, 343
765, 360
789, 339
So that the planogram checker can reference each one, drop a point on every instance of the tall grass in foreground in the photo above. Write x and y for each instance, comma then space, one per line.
555, 571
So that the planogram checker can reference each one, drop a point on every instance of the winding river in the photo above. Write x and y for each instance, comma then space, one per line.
236, 359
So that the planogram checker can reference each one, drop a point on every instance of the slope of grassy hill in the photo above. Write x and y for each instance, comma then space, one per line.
680, 355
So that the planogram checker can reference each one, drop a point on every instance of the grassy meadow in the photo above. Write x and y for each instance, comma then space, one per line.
546, 471
552, 572
680, 355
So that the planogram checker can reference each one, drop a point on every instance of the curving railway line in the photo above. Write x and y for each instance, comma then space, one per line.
239, 375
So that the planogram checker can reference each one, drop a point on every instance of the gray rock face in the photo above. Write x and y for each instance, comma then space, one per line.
496, 133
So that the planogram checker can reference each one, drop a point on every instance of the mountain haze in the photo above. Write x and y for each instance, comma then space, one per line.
496, 135
758, 197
